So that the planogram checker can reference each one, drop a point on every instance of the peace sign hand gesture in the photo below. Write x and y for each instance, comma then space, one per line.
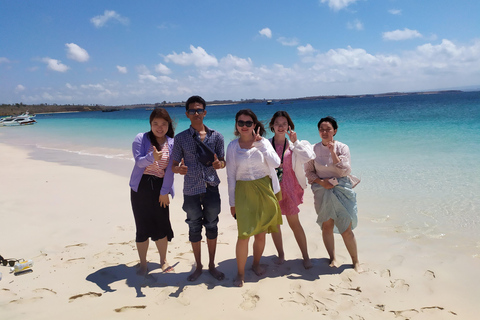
256, 135
292, 135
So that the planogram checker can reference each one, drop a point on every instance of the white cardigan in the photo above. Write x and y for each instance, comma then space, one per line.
302, 152
251, 164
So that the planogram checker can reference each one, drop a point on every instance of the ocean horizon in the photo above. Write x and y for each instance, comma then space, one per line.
417, 155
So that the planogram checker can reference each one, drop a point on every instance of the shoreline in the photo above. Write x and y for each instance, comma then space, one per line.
76, 224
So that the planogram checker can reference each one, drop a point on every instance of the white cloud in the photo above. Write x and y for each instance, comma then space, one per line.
76, 53
100, 21
199, 58
305, 50
4, 60
55, 65
19, 88
266, 32
288, 42
395, 11
338, 4
356, 24
232, 62
163, 69
122, 69
348, 70
404, 34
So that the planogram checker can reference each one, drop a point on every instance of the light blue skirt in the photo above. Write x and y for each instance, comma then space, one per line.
339, 204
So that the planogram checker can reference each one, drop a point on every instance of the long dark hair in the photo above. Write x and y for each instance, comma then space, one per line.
258, 124
162, 114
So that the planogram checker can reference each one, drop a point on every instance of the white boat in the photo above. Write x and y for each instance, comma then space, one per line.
21, 120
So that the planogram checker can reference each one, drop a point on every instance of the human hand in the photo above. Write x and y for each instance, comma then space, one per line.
233, 212
182, 168
256, 135
157, 155
292, 135
330, 146
164, 200
217, 164
324, 183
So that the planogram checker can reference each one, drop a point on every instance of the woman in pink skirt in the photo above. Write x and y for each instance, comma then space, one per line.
293, 154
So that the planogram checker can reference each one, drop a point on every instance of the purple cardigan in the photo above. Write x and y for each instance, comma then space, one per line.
143, 159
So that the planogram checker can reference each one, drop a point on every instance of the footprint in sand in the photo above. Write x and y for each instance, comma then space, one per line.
44, 289
399, 284
126, 308
407, 314
429, 274
23, 301
89, 294
76, 245
385, 273
250, 301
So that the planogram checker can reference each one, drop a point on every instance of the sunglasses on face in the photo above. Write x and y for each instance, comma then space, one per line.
242, 123
197, 111
10, 262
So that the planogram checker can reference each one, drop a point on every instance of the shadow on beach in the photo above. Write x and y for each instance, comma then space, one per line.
291, 269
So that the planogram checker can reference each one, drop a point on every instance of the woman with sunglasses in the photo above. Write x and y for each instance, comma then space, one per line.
151, 182
252, 188
293, 154
335, 201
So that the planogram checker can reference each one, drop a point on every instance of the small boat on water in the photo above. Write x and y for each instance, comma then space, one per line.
269, 102
21, 120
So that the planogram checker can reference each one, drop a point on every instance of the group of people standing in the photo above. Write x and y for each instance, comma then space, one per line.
266, 181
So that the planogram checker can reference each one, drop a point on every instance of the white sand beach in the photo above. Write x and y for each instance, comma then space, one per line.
76, 224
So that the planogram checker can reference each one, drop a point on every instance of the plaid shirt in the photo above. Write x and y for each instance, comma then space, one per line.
198, 176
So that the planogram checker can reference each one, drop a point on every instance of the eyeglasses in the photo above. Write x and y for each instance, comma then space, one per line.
10, 262
325, 130
197, 111
242, 123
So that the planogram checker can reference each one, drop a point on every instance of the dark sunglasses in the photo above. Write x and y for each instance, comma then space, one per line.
10, 262
197, 111
242, 123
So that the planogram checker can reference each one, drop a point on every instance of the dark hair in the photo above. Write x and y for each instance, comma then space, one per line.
279, 114
194, 99
162, 114
330, 120
258, 124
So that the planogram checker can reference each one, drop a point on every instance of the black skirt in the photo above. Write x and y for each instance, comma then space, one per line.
151, 219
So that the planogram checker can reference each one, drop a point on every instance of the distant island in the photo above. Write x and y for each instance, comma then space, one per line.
18, 108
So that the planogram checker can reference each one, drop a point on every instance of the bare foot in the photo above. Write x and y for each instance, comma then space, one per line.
307, 263
357, 267
259, 269
194, 276
238, 282
167, 268
142, 270
333, 263
279, 260
216, 274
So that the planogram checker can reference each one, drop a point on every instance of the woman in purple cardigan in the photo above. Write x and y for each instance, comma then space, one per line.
151, 182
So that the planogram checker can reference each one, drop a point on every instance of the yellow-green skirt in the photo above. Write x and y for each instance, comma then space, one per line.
256, 207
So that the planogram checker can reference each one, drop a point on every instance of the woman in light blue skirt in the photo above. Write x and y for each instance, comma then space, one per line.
332, 186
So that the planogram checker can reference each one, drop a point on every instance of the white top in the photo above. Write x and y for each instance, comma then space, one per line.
322, 166
251, 164
302, 152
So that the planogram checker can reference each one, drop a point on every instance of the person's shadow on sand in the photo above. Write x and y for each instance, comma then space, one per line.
292, 269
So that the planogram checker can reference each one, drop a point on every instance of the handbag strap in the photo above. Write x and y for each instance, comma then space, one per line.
284, 146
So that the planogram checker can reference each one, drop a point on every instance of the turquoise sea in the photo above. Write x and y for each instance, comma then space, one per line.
417, 155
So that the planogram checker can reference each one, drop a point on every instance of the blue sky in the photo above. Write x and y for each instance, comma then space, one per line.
147, 51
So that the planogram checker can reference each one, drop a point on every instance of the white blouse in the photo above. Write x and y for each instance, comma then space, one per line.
251, 164
322, 166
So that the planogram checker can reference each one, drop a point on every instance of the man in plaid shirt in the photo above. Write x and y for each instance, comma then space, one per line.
201, 198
